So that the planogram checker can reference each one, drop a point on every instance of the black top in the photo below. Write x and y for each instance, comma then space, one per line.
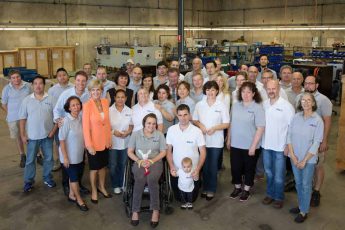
129, 95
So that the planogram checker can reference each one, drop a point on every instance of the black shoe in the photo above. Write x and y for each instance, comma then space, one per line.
65, 190
134, 222
301, 218
315, 199
39, 160
71, 200
294, 210
82, 207
235, 193
94, 201
245, 195
84, 190
105, 195
203, 195
154, 224
22, 160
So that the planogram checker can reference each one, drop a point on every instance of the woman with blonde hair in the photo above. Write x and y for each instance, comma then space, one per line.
97, 136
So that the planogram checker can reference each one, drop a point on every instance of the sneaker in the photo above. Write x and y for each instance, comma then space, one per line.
278, 204
294, 210
189, 205
245, 195
56, 166
184, 206
28, 187
117, 191
22, 160
267, 200
315, 199
300, 218
235, 193
39, 160
50, 184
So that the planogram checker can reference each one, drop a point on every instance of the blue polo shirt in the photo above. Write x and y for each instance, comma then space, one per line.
13, 98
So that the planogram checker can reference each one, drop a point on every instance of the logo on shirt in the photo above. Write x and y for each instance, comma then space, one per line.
150, 111
313, 125
155, 140
280, 110
218, 111
127, 115
189, 142
249, 111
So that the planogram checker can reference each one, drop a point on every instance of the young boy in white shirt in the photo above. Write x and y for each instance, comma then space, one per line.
186, 183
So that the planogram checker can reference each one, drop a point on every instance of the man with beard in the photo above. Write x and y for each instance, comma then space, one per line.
263, 61
278, 113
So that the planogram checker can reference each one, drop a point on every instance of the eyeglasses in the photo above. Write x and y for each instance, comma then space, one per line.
309, 83
306, 101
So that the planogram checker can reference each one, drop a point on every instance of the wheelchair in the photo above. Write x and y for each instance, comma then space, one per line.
165, 190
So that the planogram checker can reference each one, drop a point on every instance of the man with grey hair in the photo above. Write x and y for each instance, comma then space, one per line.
197, 67
296, 87
285, 77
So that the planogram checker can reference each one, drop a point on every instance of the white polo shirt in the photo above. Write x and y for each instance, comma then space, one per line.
120, 121
139, 112
209, 116
278, 118
185, 143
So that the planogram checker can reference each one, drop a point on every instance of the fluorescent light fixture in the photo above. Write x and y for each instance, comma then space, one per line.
161, 28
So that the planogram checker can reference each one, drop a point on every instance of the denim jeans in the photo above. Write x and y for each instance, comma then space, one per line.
117, 164
210, 169
274, 164
304, 180
46, 146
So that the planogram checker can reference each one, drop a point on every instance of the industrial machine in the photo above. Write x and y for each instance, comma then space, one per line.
117, 56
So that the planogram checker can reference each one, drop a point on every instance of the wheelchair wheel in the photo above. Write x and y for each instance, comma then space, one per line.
166, 191
128, 189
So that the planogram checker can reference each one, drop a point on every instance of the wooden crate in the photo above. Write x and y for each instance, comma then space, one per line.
36, 58
8, 58
62, 57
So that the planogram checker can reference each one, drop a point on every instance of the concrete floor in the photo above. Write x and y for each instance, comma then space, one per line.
47, 208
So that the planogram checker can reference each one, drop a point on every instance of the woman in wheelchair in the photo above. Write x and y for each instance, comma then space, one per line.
147, 148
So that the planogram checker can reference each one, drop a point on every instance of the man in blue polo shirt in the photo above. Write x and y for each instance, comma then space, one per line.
12, 96
37, 131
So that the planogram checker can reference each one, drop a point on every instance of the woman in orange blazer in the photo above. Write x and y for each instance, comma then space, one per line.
97, 136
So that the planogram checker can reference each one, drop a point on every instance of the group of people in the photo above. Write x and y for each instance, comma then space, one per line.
186, 120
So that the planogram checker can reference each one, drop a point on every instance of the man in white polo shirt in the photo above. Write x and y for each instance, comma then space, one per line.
12, 96
37, 130
278, 114
185, 140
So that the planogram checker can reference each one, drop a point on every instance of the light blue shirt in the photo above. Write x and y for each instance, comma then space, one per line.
72, 133
106, 86
56, 90
134, 87
13, 99
244, 122
305, 135
38, 115
187, 101
59, 111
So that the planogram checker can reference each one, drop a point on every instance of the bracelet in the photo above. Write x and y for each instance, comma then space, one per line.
151, 161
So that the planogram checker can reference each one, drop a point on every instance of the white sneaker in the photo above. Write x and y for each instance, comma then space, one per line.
189, 206
184, 206
117, 191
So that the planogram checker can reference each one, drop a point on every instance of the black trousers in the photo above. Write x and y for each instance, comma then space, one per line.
186, 197
65, 178
243, 165
176, 190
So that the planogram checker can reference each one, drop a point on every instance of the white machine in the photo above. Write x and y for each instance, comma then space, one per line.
115, 56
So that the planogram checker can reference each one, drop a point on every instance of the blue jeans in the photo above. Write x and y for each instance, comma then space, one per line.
210, 169
117, 163
46, 146
275, 165
304, 184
